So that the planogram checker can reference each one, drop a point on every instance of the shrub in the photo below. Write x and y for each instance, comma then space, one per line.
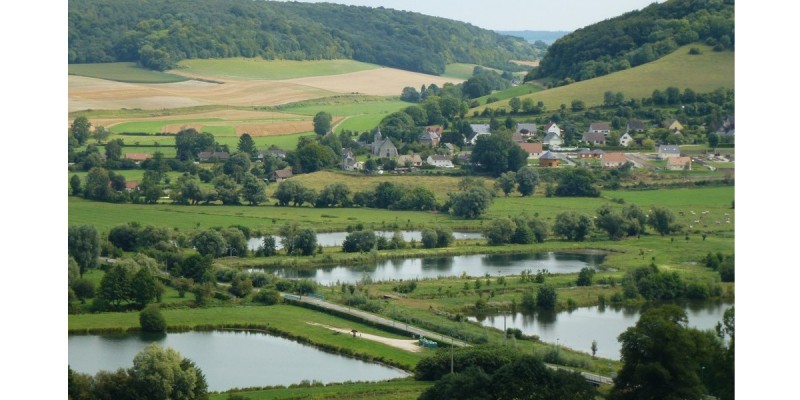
268, 296
151, 320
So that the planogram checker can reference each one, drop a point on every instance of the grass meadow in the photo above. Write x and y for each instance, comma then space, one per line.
123, 72
257, 68
397, 389
516, 91
702, 73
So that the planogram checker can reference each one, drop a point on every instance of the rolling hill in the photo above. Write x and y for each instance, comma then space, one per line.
702, 73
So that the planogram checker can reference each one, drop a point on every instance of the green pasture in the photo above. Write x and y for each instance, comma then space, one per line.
123, 72
458, 71
360, 123
515, 91
702, 73
167, 151
397, 389
257, 68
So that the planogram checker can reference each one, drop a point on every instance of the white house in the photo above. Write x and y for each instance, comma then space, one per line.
625, 140
553, 139
440, 161
551, 127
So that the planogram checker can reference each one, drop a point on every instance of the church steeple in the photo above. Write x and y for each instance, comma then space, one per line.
378, 136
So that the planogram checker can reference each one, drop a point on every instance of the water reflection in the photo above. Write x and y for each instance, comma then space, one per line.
228, 359
431, 268
578, 327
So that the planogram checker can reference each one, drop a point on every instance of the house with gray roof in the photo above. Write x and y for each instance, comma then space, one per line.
553, 139
634, 126
600, 127
594, 138
665, 151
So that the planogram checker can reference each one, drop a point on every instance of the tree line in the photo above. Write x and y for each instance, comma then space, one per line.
158, 34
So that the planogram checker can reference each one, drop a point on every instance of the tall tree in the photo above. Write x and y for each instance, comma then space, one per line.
527, 179
253, 190
83, 244
322, 123
80, 129
661, 357
662, 220
247, 145
160, 373
506, 182
497, 153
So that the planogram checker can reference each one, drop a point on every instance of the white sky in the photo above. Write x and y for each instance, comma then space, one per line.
513, 15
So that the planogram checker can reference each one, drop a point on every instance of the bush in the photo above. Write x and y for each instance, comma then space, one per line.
268, 297
151, 320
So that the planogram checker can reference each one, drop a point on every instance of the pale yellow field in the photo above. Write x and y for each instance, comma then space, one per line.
527, 63
377, 82
98, 94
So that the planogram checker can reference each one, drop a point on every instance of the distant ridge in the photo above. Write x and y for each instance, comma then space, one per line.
158, 33
547, 37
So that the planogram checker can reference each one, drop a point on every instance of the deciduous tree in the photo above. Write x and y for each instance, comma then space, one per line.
83, 244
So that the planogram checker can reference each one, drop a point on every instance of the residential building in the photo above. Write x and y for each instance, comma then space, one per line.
431, 136
679, 163
613, 160
209, 156
440, 161
600, 127
549, 160
138, 157
595, 137
411, 160
665, 151
553, 139
626, 139
281, 175
534, 150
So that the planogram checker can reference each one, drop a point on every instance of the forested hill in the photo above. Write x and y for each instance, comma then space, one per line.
639, 37
158, 33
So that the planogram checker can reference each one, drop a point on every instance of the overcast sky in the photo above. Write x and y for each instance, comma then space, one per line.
513, 15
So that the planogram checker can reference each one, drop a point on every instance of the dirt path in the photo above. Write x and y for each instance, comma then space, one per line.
404, 344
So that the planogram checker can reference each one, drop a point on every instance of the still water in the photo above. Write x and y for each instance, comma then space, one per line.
229, 359
577, 328
431, 268
337, 238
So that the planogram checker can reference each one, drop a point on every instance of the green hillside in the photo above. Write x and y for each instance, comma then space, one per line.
639, 37
157, 34
702, 73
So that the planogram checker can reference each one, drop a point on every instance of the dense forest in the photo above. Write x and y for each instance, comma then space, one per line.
638, 37
159, 33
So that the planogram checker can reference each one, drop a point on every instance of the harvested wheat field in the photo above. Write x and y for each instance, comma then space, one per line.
376, 82
98, 94
526, 63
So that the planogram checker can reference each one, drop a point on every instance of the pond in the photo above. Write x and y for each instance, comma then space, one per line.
431, 268
577, 328
337, 238
229, 359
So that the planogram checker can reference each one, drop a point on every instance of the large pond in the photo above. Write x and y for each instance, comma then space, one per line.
337, 238
577, 328
471, 265
229, 359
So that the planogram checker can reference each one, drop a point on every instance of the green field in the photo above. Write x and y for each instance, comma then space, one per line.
397, 389
702, 73
459, 70
256, 68
123, 72
516, 91
346, 106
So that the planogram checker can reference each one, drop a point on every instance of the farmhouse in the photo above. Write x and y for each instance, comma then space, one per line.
553, 139
586, 153
626, 139
272, 151
138, 157
667, 150
383, 148
600, 127
673, 125
131, 186
634, 126
411, 160
431, 136
477, 131
533, 150
548, 159
594, 138
351, 164
613, 160
281, 175
679, 164
440, 161
527, 130
551, 127
211, 156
